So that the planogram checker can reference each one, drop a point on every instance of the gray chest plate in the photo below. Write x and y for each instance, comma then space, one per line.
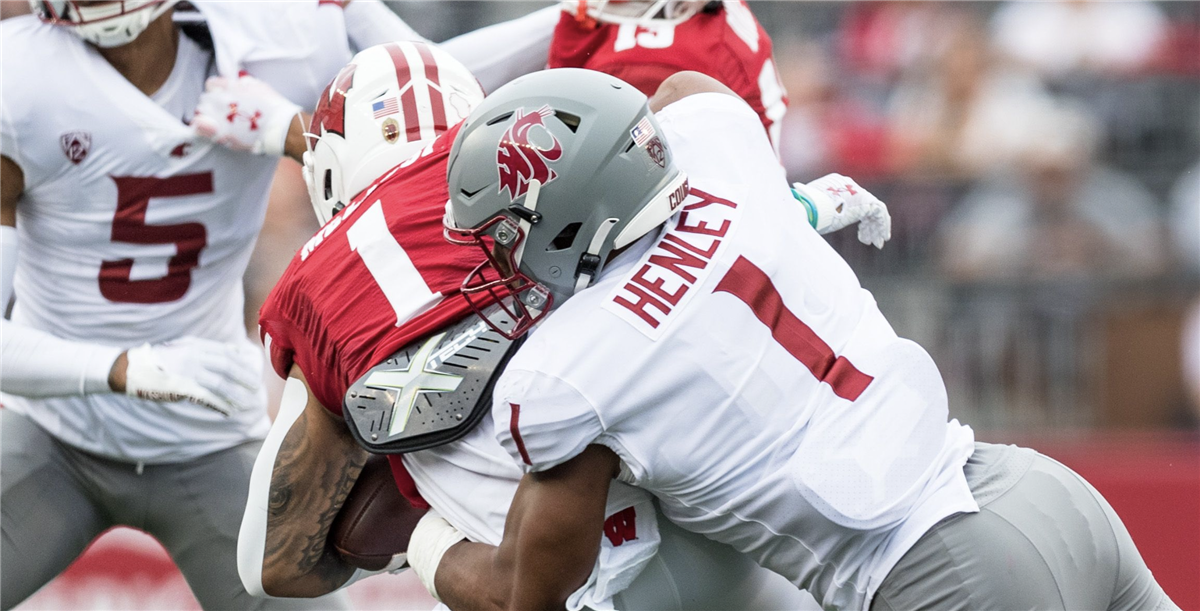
430, 392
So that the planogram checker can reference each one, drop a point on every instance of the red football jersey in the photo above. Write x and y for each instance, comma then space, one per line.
727, 44
376, 277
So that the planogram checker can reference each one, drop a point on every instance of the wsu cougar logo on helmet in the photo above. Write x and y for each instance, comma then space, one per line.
521, 159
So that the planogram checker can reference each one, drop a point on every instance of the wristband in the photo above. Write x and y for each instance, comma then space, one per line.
429, 542
275, 133
819, 206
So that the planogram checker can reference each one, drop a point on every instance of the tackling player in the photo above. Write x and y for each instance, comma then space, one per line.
709, 348
642, 42
379, 277
132, 393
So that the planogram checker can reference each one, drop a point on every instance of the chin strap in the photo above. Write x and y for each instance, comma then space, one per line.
526, 222
589, 262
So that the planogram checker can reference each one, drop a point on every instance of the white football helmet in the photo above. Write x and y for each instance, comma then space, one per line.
384, 106
633, 11
104, 24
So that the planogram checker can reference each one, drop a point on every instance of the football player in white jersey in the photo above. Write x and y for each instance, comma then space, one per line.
132, 395
301, 473
707, 346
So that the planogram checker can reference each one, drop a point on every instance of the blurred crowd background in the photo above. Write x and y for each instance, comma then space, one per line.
1041, 161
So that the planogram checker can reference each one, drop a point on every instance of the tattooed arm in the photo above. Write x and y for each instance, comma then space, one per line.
303, 474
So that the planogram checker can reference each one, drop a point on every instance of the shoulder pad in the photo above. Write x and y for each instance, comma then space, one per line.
432, 391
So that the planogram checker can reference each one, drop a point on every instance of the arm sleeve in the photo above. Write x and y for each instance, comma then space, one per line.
252, 537
37, 364
500, 53
541, 421
370, 23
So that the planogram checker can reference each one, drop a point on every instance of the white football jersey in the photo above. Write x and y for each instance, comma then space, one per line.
471, 482
745, 378
132, 229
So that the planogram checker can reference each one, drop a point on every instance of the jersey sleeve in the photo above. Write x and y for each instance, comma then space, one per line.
273, 330
542, 421
370, 23
499, 53
295, 47
717, 134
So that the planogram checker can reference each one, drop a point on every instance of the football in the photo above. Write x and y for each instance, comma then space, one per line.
376, 520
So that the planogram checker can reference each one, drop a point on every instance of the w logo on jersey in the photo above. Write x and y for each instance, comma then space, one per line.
521, 159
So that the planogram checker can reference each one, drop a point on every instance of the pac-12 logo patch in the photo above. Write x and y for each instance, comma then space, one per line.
75, 145
525, 154
657, 151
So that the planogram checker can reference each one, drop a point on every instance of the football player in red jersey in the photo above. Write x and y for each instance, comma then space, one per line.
642, 42
379, 277
136, 196
124, 238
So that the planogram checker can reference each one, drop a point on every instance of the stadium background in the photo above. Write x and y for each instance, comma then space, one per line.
1074, 329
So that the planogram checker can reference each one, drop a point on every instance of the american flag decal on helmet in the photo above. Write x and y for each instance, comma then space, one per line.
386, 107
519, 159
642, 132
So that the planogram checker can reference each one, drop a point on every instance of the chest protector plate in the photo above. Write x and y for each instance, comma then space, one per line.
432, 391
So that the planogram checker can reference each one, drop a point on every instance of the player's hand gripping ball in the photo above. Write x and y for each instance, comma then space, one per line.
372, 530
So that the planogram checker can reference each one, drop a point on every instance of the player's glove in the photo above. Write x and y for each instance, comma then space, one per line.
428, 543
835, 201
244, 114
220, 376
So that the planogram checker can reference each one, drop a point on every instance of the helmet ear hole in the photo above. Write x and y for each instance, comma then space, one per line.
571, 121
328, 184
503, 117
565, 238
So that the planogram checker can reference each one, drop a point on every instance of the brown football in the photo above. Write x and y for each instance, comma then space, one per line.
376, 520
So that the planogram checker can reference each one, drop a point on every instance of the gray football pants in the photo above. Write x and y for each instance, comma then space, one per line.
56, 499
694, 573
1043, 539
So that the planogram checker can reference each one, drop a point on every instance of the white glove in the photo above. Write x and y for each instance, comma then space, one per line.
428, 543
222, 377
244, 114
835, 201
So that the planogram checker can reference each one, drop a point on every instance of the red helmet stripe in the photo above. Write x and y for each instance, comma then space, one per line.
403, 74
435, 93
408, 99
412, 122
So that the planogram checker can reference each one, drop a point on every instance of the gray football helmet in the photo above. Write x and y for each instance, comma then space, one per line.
548, 176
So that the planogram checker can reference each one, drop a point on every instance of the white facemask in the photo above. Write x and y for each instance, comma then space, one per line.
110, 24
